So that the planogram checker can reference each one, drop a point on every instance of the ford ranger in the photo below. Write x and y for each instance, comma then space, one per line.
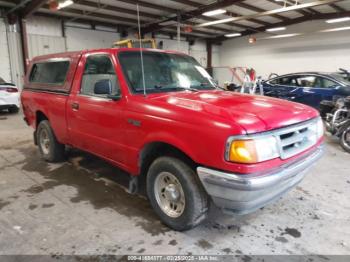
160, 116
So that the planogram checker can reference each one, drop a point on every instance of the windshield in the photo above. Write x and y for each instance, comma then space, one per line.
164, 72
341, 79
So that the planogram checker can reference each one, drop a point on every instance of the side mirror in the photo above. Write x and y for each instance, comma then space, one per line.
103, 87
115, 97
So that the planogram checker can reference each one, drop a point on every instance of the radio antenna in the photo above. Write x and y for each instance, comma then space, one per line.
141, 53
178, 31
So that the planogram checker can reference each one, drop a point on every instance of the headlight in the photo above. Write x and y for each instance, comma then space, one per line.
317, 129
252, 150
320, 128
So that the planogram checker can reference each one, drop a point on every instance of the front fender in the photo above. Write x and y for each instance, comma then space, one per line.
171, 139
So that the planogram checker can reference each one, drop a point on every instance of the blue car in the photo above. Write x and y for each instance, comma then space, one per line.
307, 88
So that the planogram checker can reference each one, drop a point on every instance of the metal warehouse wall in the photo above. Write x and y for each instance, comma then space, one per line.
81, 38
15, 53
44, 36
5, 69
314, 51
42, 45
169, 44
199, 52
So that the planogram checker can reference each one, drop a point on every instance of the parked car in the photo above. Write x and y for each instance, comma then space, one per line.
9, 97
170, 124
307, 88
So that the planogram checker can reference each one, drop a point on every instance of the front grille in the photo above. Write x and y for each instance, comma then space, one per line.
296, 139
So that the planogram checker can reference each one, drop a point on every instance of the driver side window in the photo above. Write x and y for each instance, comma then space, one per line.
98, 68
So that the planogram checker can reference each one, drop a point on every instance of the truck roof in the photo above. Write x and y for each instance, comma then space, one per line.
57, 55
79, 53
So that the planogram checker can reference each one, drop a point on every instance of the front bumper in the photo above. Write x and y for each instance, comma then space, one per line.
244, 194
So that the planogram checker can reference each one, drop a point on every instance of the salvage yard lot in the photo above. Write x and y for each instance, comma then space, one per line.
81, 207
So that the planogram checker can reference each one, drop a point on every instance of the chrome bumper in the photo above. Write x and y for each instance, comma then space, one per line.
244, 194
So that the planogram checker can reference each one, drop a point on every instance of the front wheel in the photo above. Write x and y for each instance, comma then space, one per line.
176, 194
345, 139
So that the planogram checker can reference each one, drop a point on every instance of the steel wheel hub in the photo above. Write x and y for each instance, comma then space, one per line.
44, 142
169, 194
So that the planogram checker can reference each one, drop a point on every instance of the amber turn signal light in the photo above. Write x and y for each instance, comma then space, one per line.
243, 151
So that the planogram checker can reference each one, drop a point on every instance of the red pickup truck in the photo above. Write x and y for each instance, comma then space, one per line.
169, 123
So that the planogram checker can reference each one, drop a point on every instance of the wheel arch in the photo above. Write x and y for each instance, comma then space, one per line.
40, 116
155, 149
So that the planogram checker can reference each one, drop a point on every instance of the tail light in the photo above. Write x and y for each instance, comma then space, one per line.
11, 90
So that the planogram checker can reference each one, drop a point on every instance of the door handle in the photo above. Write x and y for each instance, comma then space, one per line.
75, 106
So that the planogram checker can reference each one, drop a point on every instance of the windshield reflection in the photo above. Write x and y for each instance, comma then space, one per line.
164, 72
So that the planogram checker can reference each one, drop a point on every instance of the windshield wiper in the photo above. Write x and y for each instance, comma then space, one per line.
176, 88
187, 88
207, 85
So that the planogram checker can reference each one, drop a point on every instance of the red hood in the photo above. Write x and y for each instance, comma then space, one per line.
253, 113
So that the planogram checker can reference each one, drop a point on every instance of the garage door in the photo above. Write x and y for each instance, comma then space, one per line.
43, 45
80, 39
5, 70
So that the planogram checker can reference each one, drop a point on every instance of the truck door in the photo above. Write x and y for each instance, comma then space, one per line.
95, 119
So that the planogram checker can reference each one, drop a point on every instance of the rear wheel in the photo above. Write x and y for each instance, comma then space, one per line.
176, 194
13, 109
345, 139
50, 149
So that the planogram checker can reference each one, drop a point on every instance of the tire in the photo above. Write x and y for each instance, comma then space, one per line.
345, 139
189, 190
13, 109
50, 149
